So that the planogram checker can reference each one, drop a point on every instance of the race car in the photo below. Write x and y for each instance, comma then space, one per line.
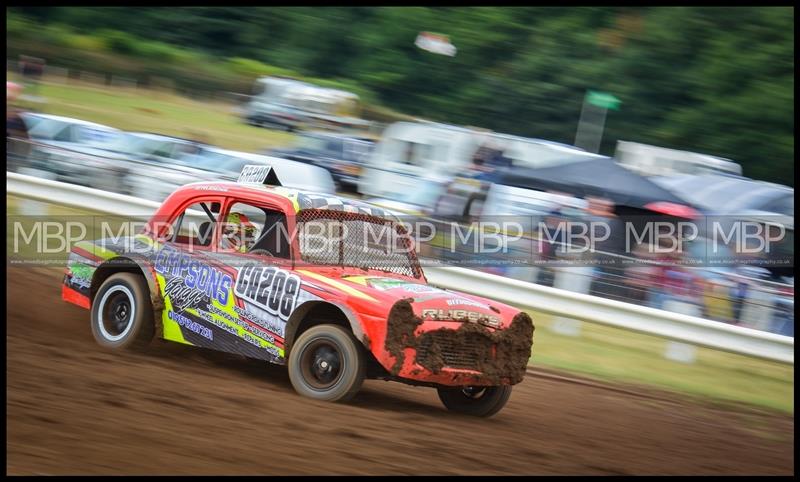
290, 277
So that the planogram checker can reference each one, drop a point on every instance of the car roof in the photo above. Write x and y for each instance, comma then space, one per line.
162, 137
301, 200
69, 120
265, 159
336, 135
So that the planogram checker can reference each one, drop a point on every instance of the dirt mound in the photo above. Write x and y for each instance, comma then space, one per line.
76, 409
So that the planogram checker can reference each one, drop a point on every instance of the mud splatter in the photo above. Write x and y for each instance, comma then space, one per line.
400, 332
502, 355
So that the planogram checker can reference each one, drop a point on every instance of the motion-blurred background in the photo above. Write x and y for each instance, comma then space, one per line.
557, 113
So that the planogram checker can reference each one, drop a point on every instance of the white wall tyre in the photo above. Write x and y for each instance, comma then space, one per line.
327, 363
122, 313
475, 401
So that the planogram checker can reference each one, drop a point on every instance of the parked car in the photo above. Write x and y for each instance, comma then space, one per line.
650, 160
267, 106
71, 150
343, 155
334, 310
290, 105
157, 180
276, 115
228, 164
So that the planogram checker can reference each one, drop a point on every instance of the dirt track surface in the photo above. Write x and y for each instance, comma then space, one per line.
76, 409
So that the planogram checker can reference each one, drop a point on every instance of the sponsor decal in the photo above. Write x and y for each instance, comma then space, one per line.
212, 188
385, 284
466, 302
258, 320
82, 283
219, 324
272, 289
420, 289
461, 315
246, 326
181, 296
198, 279
191, 325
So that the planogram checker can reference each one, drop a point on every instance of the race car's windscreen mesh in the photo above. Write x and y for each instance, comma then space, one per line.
342, 238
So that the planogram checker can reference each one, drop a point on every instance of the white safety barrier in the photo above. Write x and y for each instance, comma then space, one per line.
579, 306
80, 197
674, 326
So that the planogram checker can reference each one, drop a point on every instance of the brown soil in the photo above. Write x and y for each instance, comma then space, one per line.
400, 332
73, 408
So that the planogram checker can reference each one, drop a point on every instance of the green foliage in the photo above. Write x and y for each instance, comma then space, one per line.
707, 79
17, 25
254, 69
118, 42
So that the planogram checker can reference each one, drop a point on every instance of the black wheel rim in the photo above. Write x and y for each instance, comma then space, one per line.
117, 313
322, 364
474, 393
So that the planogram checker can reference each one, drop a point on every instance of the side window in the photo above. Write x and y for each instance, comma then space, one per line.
187, 150
248, 228
412, 153
334, 148
67, 134
194, 227
164, 149
91, 135
355, 150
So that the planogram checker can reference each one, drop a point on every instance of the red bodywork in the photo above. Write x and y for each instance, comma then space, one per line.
417, 333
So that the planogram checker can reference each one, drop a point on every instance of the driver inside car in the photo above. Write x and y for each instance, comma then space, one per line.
238, 233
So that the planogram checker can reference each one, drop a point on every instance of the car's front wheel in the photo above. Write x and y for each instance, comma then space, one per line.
476, 401
327, 363
122, 314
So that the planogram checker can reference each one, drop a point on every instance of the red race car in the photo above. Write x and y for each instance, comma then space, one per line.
302, 279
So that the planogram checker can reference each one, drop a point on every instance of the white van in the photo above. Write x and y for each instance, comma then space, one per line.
650, 160
291, 104
409, 152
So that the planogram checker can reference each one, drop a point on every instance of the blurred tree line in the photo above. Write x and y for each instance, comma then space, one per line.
710, 79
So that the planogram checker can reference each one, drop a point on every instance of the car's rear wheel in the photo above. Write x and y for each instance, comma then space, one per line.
327, 363
476, 401
122, 314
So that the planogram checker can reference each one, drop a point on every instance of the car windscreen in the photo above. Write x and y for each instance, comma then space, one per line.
30, 120
96, 137
311, 143
215, 162
143, 146
49, 130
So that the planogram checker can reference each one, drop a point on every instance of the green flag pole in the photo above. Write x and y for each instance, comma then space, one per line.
593, 118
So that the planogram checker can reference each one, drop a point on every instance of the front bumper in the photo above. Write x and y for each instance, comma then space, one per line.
456, 353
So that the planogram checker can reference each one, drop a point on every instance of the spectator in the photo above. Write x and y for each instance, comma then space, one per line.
638, 277
32, 69
13, 90
551, 240
409, 157
17, 140
676, 287
601, 221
